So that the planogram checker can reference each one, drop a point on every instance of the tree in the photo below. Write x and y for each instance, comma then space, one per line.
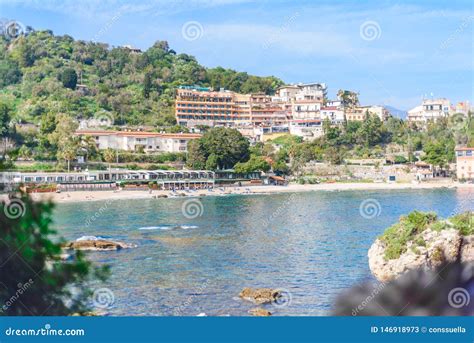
69, 78
348, 98
224, 147
35, 282
109, 156
5, 117
64, 139
195, 158
147, 86
89, 145
255, 163
438, 153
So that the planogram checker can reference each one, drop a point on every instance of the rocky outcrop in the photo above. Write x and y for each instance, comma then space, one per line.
260, 312
439, 247
97, 245
260, 295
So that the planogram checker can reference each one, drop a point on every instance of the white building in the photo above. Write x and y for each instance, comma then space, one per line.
430, 109
334, 113
137, 140
307, 128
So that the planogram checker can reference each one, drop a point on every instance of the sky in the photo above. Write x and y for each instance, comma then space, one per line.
392, 53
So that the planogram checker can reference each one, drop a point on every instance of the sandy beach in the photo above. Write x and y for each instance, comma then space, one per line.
79, 196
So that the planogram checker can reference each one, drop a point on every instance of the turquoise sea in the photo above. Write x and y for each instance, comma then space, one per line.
194, 255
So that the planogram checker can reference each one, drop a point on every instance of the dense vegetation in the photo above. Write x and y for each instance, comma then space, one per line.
35, 282
411, 227
52, 81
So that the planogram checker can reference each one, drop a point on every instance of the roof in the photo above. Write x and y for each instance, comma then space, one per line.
464, 149
278, 178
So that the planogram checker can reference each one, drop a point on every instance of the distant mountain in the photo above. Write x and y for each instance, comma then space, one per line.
396, 112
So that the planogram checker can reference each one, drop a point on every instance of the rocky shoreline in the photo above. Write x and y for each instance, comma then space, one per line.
428, 249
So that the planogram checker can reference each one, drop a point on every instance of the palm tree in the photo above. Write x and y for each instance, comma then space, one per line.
89, 145
109, 156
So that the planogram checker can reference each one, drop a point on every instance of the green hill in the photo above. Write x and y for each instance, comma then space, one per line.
43, 75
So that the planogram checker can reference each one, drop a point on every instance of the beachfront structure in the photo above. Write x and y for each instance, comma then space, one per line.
111, 179
465, 163
140, 141
430, 109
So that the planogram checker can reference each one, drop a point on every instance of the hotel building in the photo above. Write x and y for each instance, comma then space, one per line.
465, 163
140, 141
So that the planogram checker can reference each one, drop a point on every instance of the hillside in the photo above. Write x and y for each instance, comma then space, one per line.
42, 75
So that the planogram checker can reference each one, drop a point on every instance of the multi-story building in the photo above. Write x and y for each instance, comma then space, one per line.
465, 163
201, 106
430, 109
358, 113
334, 113
140, 141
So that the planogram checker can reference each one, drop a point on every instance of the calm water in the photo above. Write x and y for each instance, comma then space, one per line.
312, 244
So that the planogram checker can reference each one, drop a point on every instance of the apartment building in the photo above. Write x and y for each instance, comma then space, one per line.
358, 113
140, 141
430, 109
335, 114
465, 163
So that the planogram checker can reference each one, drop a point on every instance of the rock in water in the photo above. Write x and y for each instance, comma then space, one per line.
439, 248
98, 245
260, 312
260, 295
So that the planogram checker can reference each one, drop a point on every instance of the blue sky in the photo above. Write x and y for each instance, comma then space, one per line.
393, 53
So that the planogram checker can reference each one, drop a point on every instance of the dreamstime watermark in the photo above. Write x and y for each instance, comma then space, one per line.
98, 213
370, 208
103, 118
103, 298
104, 29
368, 299
283, 298
370, 30
284, 28
192, 208
179, 310
459, 297
192, 30
14, 208
22, 288
459, 122
12, 29
449, 41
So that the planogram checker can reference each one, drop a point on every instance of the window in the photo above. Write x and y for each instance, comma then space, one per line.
469, 153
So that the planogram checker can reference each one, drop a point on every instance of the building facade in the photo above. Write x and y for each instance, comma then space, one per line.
110, 179
430, 110
465, 163
140, 141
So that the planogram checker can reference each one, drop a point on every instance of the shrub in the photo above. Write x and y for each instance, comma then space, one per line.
34, 279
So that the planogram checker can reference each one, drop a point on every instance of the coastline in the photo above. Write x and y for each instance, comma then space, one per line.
86, 196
